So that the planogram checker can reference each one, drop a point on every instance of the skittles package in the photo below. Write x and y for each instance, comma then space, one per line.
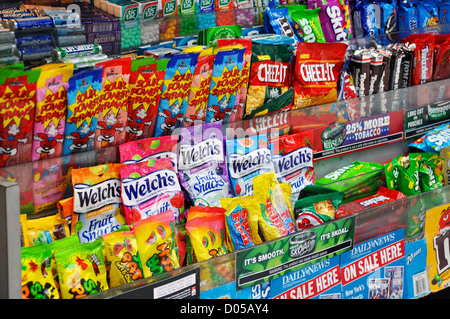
44, 230
202, 166
198, 96
433, 141
402, 174
81, 270
175, 92
97, 202
293, 159
123, 256
18, 103
113, 102
248, 157
335, 19
38, 281
82, 111
150, 188
145, 85
205, 227
225, 85
277, 219
51, 109
270, 74
316, 73
151, 148
157, 243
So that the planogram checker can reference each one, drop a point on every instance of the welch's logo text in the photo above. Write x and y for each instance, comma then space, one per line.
196, 155
139, 190
292, 162
88, 198
241, 165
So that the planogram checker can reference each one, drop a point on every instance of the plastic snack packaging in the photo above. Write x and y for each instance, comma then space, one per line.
402, 174
422, 71
317, 70
239, 212
366, 16
225, 84
18, 103
360, 70
270, 74
430, 170
293, 159
407, 16
122, 254
277, 218
113, 102
206, 229
248, 157
245, 74
150, 188
157, 243
307, 25
175, 92
44, 230
316, 205
51, 110
97, 204
38, 281
427, 14
356, 180
82, 111
433, 141
441, 68
151, 148
280, 104
198, 96
145, 85
335, 19
388, 16
48, 182
280, 22
81, 270
202, 164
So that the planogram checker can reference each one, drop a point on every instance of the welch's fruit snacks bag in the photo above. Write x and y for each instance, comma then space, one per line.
151, 188
201, 164
248, 157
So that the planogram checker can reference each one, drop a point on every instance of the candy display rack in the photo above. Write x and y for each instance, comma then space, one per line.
394, 106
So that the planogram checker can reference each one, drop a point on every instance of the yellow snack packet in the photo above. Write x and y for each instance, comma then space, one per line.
276, 217
37, 278
44, 230
157, 243
122, 254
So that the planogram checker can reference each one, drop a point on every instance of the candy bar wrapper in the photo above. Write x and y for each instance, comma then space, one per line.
82, 111
18, 102
49, 183
422, 71
22, 175
113, 103
384, 81
245, 75
360, 68
436, 236
198, 96
335, 19
146, 80
441, 69
376, 70
175, 93
51, 110
395, 67
225, 85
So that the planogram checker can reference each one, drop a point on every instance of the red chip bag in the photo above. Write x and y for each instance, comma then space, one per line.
316, 73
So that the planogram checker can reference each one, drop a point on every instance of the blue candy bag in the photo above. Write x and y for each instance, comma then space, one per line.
388, 16
82, 111
175, 93
248, 157
434, 140
407, 16
281, 23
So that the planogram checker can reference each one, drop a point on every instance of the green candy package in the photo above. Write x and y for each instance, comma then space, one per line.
403, 175
307, 25
316, 205
430, 170
356, 180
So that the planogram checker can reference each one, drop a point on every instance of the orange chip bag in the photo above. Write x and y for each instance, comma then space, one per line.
316, 73
157, 243
97, 202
